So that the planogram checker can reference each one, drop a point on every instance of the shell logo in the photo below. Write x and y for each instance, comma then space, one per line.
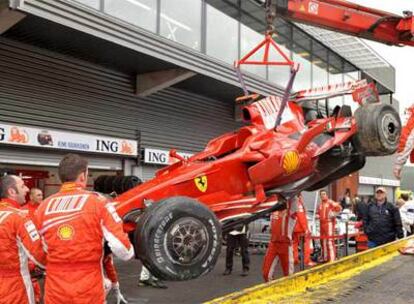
291, 161
66, 232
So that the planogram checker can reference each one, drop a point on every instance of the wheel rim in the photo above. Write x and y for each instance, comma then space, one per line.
186, 241
390, 128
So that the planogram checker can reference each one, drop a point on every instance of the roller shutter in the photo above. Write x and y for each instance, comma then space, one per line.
52, 90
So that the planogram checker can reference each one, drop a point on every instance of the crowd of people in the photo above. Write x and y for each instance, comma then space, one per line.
379, 222
68, 229
289, 231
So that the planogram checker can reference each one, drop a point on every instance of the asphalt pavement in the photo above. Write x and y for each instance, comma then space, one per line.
205, 288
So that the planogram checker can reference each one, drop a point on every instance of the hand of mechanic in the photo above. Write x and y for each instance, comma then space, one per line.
37, 273
119, 297
397, 173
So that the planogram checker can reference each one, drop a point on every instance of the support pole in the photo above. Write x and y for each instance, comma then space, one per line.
302, 253
346, 239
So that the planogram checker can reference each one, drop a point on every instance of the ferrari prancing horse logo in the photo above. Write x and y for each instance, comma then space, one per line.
201, 183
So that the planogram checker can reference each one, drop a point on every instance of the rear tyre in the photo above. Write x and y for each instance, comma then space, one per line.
178, 239
379, 129
98, 185
129, 182
117, 184
108, 184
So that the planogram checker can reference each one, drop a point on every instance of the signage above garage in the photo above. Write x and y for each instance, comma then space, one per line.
161, 157
62, 140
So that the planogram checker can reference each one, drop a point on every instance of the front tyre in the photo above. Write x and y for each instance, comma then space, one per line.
178, 239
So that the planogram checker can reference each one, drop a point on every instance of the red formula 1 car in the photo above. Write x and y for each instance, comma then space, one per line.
176, 219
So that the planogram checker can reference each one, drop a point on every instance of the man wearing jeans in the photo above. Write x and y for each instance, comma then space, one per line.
382, 221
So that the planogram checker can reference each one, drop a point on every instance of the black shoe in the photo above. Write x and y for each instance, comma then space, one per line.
144, 283
245, 273
227, 272
159, 284
152, 283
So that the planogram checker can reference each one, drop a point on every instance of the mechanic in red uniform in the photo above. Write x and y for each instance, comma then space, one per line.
301, 230
74, 224
406, 147
36, 197
280, 245
19, 240
327, 210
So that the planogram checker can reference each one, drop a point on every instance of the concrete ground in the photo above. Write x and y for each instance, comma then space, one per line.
200, 290
208, 287
388, 283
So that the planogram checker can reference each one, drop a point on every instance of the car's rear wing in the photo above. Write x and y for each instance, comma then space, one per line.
362, 92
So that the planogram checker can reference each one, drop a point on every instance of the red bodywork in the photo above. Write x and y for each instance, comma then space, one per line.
233, 172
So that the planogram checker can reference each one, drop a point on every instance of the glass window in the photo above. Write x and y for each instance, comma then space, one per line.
336, 62
319, 72
248, 40
96, 4
303, 77
301, 39
319, 65
142, 13
221, 44
181, 21
352, 76
279, 74
335, 77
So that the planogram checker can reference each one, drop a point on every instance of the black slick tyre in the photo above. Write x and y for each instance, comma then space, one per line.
178, 239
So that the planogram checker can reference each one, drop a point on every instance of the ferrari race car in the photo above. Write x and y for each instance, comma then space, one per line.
176, 219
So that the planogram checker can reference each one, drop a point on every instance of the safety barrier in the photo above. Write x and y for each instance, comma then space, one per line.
338, 237
315, 277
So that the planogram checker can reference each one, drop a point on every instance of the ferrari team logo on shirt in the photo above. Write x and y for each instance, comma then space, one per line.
291, 161
201, 183
66, 232
65, 204
31, 230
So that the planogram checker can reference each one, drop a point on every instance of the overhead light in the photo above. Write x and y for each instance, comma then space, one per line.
303, 54
135, 2
258, 2
317, 61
